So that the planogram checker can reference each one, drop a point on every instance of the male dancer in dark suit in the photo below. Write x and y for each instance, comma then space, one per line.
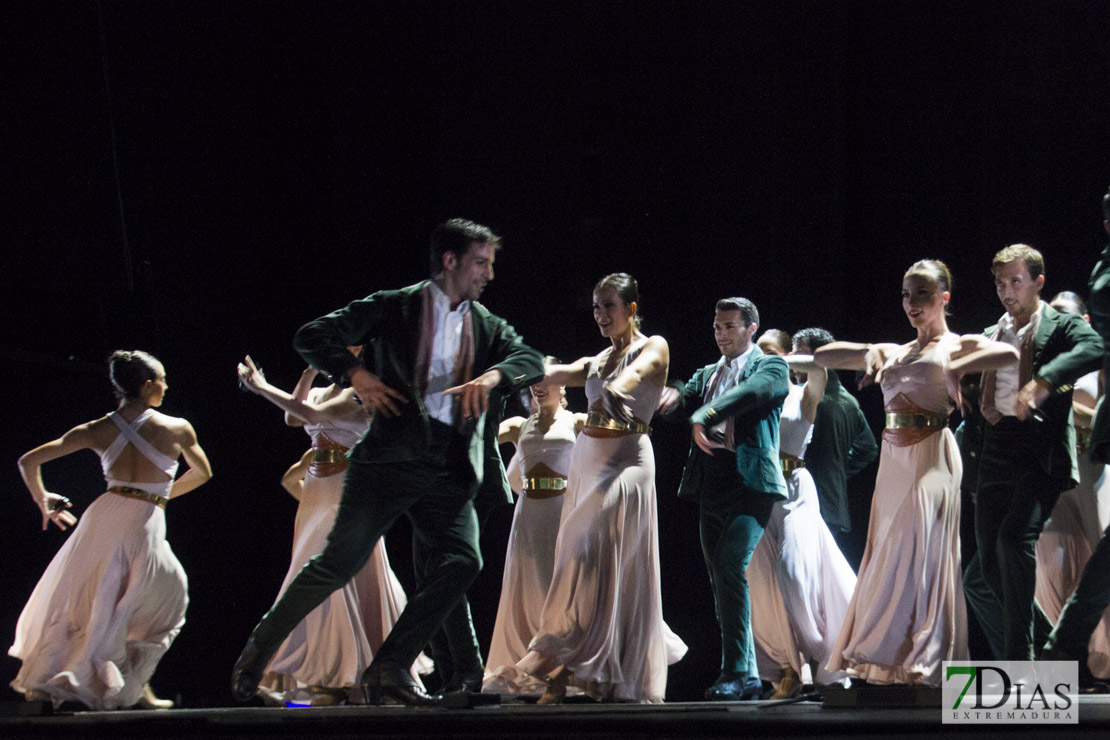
1028, 456
433, 354
1084, 608
842, 444
733, 473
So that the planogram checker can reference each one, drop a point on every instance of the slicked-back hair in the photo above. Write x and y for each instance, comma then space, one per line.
935, 272
779, 337
627, 289
1067, 301
129, 369
456, 235
747, 309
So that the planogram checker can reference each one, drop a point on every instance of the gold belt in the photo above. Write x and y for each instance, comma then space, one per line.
790, 464
322, 455
601, 421
915, 421
141, 495
544, 487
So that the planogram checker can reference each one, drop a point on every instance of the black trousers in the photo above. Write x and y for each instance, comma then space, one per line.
1015, 498
435, 492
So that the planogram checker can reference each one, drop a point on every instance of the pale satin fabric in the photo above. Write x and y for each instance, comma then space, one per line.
799, 580
529, 558
110, 603
1069, 538
603, 615
907, 614
334, 644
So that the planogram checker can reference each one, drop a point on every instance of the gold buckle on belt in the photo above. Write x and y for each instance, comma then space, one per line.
915, 421
141, 495
601, 421
322, 455
790, 464
545, 484
546, 487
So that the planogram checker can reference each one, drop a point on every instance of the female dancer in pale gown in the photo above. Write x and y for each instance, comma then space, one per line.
113, 598
602, 626
1079, 517
538, 473
907, 614
800, 582
322, 660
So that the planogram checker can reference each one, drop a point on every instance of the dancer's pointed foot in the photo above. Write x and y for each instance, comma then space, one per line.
556, 689
789, 687
148, 700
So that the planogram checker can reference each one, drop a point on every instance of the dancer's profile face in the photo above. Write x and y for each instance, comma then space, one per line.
465, 277
611, 313
155, 390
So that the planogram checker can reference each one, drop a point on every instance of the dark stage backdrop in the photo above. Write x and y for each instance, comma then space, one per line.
197, 179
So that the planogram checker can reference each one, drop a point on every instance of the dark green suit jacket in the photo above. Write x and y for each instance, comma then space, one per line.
387, 324
1098, 307
1065, 349
755, 402
842, 445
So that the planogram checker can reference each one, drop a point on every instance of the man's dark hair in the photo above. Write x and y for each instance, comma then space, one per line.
813, 337
747, 309
456, 235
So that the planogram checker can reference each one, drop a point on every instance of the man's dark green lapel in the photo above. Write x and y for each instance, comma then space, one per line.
1047, 324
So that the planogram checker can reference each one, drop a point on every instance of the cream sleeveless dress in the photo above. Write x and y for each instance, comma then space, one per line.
800, 581
113, 598
907, 614
530, 556
603, 615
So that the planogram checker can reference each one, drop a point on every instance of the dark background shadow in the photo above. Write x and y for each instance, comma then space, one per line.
197, 179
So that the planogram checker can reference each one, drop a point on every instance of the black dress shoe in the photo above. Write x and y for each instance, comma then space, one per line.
465, 682
1088, 682
389, 681
742, 688
248, 671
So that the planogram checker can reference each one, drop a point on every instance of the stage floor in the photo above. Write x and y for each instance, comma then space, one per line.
678, 720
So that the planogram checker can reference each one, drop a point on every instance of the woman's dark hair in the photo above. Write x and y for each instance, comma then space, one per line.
128, 371
627, 288
779, 337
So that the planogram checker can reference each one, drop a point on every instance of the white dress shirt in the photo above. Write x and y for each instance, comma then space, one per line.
1007, 380
725, 377
445, 350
